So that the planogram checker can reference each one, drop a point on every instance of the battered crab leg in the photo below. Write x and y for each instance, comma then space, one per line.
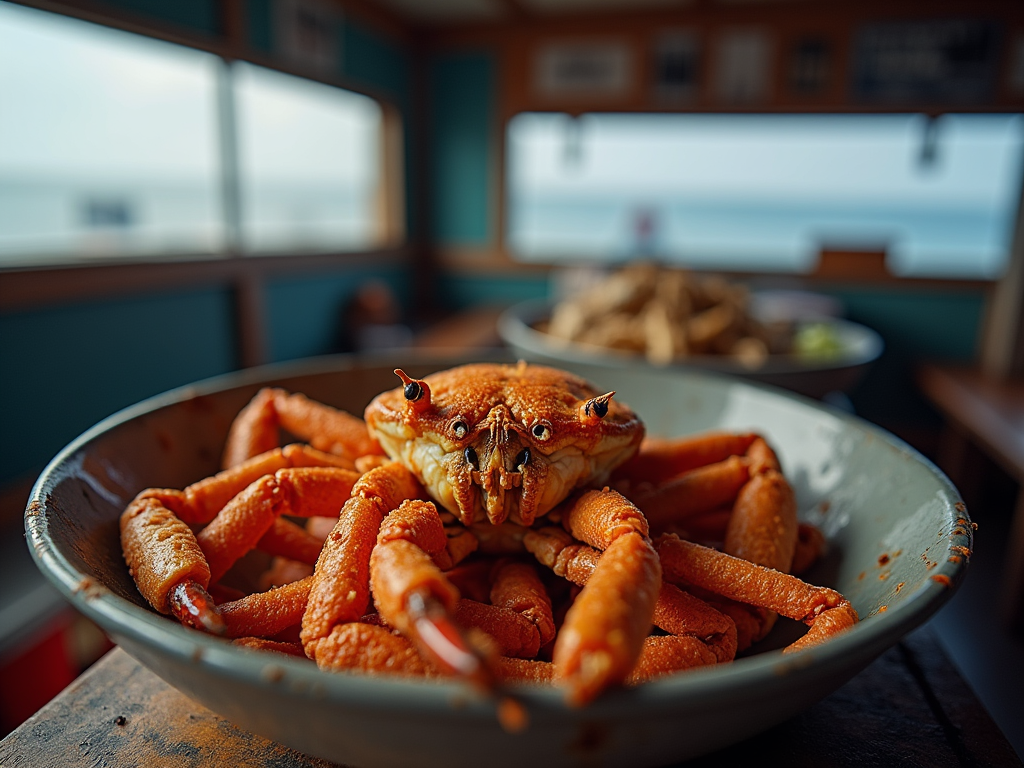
255, 429
763, 530
603, 633
173, 567
698, 634
825, 611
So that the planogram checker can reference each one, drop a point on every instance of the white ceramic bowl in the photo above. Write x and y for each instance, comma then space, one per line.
860, 346
871, 494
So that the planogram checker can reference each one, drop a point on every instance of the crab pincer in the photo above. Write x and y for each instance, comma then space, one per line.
413, 596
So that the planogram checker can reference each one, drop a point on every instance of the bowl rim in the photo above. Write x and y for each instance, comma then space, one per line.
514, 327
697, 687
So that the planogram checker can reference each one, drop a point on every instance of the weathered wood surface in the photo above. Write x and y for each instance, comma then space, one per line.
909, 708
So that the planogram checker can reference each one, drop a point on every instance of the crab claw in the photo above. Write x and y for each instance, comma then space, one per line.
447, 646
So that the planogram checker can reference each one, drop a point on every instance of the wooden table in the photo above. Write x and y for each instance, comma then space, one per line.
910, 707
989, 414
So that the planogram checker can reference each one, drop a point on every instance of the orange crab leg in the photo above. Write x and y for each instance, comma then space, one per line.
692, 493
200, 502
604, 630
371, 649
514, 634
264, 614
517, 586
810, 543
675, 611
167, 564
825, 611
413, 596
340, 593
248, 516
328, 429
659, 460
763, 525
286, 539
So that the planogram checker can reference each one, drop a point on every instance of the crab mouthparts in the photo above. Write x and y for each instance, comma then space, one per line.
496, 480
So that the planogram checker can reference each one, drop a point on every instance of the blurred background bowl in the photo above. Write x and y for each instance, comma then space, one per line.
857, 348
893, 523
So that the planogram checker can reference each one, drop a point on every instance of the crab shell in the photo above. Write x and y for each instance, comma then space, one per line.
508, 442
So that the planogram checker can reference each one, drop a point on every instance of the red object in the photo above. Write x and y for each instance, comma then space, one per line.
29, 679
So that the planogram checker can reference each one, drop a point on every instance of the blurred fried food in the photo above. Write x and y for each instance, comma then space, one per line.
668, 315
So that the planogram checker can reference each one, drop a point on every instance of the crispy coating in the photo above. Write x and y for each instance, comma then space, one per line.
160, 550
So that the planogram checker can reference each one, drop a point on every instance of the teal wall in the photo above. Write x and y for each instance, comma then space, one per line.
201, 16
463, 115
65, 368
304, 313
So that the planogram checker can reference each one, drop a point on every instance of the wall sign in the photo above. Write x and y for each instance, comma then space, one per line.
583, 69
945, 61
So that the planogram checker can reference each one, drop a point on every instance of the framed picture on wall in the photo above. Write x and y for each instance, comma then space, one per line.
584, 70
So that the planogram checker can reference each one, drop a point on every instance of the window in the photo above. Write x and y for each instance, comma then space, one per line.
111, 146
107, 142
766, 193
310, 159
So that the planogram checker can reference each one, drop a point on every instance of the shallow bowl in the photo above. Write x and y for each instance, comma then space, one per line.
860, 346
896, 528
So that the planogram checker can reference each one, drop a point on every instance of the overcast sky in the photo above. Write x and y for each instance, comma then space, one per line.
809, 157
77, 98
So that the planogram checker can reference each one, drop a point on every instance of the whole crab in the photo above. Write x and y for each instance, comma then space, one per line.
521, 459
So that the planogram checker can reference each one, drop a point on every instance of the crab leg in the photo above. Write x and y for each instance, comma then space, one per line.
413, 596
167, 564
374, 650
240, 525
265, 614
286, 539
763, 525
200, 502
825, 611
341, 593
517, 586
700, 634
692, 493
604, 630
255, 428
659, 460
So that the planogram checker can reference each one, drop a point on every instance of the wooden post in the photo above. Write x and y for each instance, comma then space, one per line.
1002, 346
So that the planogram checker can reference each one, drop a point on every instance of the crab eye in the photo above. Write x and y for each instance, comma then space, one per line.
413, 391
541, 431
460, 429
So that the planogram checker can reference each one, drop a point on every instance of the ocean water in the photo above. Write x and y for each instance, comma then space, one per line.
761, 235
49, 220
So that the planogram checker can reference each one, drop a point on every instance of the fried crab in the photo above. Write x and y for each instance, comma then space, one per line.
497, 523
